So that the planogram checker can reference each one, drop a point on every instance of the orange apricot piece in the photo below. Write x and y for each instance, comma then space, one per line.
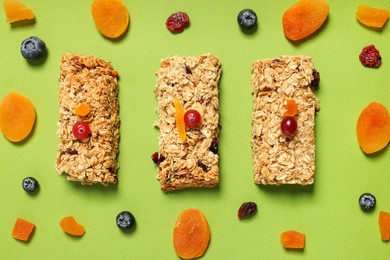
371, 16
291, 107
180, 124
384, 225
304, 18
17, 117
373, 128
82, 109
191, 234
16, 11
111, 17
293, 239
71, 227
22, 229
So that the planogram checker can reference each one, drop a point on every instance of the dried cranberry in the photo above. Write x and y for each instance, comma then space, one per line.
316, 78
177, 22
370, 57
155, 157
246, 209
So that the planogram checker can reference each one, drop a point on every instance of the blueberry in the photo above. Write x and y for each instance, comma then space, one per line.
367, 201
125, 220
247, 19
33, 48
30, 184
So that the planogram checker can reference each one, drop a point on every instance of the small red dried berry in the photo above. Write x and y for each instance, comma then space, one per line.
155, 157
177, 22
246, 209
370, 57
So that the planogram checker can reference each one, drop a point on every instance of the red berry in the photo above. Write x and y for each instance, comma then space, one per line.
177, 21
192, 118
81, 130
370, 57
288, 126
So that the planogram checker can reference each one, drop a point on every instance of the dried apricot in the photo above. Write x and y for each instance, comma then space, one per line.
70, 226
22, 229
371, 16
291, 108
16, 11
293, 239
304, 18
191, 234
373, 128
17, 117
82, 109
180, 123
384, 225
111, 17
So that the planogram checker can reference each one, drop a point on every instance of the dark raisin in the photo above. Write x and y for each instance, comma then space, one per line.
203, 166
246, 209
155, 157
214, 146
370, 57
188, 70
176, 22
316, 78
161, 158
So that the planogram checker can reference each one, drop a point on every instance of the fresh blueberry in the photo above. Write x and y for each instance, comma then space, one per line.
33, 48
30, 184
125, 220
247, 19
367, 201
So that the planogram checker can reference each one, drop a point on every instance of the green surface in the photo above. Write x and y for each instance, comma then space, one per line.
328, 212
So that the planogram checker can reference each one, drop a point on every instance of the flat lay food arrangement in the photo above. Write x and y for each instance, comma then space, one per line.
195, 129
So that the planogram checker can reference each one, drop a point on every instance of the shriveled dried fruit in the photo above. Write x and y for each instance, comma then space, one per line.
16, 11
373, 128
111, 17
304, 18
384, 225
191, 234
247, 209
22, 229
176, 22
17, 117
293, 239
371, 16
316, 79
370, 57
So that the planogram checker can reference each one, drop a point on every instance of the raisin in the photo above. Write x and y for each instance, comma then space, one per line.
176, 22
246, 209
370, 57
157, 158
214, 146
316, 78
203, 166
188, 70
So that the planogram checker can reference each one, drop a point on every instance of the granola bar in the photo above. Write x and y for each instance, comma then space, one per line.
277, 158
93, 81
194, 82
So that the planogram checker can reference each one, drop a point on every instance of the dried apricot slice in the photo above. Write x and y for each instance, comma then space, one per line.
82, 109
384, 225
17, 117
291, 108
293, 239
191, 234
371, 16
304, 18
111, 17
16, 11
70, 226
180, 123
373, 128
22, 229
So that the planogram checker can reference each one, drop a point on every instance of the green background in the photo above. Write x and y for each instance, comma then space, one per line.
328, 211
